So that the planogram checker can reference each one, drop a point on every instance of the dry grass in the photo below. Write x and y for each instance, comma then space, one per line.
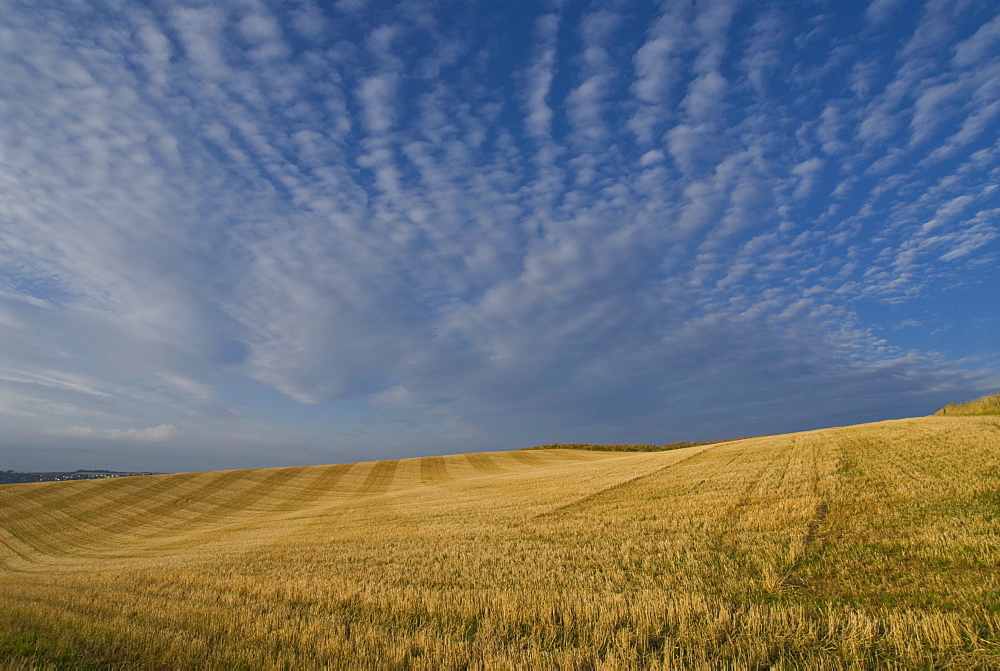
863, 546
987, 405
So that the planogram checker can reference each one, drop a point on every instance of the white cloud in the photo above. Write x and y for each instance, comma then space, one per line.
199, 31
586, 102
658, 68
980, 46
830, 129
705, 96
376, 94
539, 75
806, 172
763, 56
159, 433
654, 72
880, 11
259, 28
691, 147
651, 157
928, 112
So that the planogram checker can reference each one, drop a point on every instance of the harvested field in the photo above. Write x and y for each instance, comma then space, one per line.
870, 545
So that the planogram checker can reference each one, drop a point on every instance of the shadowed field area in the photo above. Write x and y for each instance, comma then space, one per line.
866, 545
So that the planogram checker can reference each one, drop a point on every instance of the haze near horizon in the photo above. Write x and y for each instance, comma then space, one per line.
243, 235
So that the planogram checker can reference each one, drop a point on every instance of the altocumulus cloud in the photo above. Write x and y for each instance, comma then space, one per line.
245, 234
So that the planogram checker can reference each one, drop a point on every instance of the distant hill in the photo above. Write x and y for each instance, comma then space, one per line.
987, 405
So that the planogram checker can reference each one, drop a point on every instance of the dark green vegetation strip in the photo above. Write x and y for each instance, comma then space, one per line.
643, 447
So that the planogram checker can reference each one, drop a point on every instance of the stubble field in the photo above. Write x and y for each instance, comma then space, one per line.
860, 546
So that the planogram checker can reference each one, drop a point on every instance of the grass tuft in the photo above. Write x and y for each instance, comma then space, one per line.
987, 405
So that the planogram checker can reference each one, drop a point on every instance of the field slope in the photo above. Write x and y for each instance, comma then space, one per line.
871, 545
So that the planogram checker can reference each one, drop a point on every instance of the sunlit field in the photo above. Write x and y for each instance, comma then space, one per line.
861, 546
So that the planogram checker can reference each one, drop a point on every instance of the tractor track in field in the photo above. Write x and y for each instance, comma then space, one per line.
434, 470
484, 463
378, 480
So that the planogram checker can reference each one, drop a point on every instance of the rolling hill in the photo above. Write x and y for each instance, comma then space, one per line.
867, 545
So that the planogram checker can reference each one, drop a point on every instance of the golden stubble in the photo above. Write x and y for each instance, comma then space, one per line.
861, 546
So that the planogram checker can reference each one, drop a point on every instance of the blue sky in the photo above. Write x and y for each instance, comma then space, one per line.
253, 234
